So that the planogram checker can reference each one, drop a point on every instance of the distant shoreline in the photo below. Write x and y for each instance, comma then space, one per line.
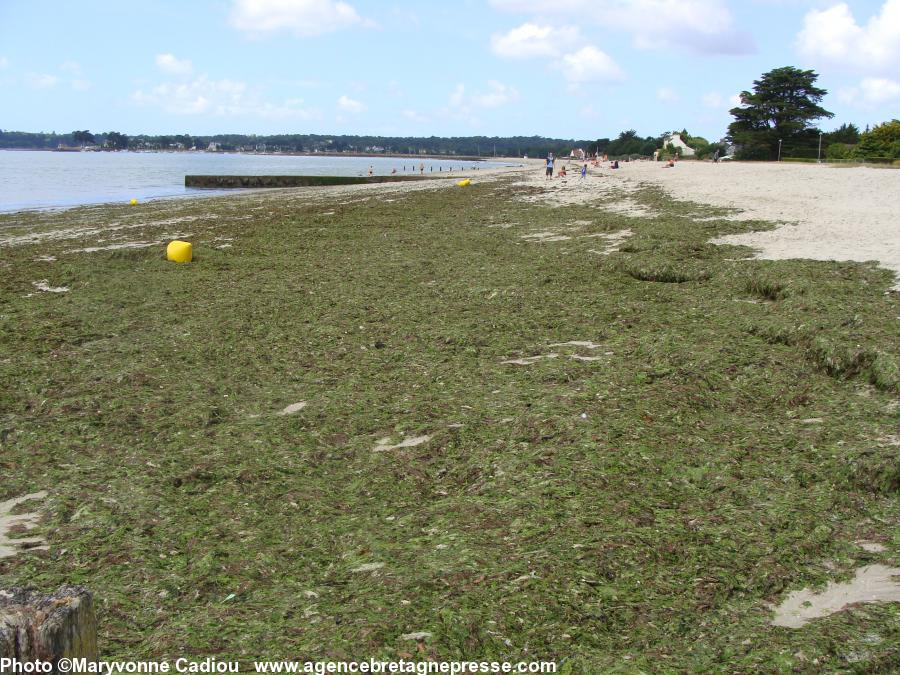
367, 155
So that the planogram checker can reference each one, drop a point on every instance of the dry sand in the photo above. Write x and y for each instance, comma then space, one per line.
824, 212
828, 213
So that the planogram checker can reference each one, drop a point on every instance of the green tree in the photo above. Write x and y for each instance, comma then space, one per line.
882, 142
82, 137
846, 133
116, 140
839, 151
782, 106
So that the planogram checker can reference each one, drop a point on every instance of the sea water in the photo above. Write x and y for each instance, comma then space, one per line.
46, 179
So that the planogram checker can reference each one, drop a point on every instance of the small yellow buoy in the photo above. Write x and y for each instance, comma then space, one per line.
134, 202
179, 251
464, 183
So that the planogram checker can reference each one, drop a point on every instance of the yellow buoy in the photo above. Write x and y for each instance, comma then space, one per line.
179, 251
464, 183
134, 202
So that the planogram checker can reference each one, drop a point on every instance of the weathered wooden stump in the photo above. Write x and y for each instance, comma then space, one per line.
39, 627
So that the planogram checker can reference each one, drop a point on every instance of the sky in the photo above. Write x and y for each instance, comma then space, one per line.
582, 69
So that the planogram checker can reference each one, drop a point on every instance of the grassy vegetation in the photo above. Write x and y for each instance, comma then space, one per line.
633, 513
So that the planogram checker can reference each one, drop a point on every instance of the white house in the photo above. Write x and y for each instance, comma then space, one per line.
675, 141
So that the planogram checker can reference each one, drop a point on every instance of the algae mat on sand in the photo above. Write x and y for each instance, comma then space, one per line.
725, 437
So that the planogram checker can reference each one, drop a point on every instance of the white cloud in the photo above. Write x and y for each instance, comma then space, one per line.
531, 40
716, 101
871, 92
4, 62
833, 38
347, 104
589, 64
498, 94
41, 80
217, 97
304, 18
667, 95
704, 26
78, 81
174, 66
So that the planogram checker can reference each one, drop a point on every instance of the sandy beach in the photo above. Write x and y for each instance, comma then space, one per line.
823, 212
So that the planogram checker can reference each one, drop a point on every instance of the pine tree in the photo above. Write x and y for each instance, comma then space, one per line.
782, 106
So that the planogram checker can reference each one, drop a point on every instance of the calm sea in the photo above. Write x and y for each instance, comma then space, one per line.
39, 179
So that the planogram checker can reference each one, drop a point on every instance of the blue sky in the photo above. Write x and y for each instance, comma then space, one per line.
562, 68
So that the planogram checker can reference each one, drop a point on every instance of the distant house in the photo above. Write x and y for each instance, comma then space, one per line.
675, 141
213, 147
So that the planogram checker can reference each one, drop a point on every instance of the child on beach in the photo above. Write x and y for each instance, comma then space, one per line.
584, 170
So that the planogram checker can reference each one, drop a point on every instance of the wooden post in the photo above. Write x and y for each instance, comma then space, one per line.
39, 627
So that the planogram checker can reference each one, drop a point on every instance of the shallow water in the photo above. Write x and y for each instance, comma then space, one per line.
43, 179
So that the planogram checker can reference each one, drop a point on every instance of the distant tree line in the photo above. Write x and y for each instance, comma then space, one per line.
627, 144
24, 140
481, 146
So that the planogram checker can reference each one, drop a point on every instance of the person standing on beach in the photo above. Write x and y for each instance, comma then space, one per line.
549, 173
584, 170
422, 168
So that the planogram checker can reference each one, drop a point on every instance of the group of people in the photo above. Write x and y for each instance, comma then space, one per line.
561, 173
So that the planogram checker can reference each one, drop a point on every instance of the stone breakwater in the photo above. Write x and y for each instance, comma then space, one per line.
294, 181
